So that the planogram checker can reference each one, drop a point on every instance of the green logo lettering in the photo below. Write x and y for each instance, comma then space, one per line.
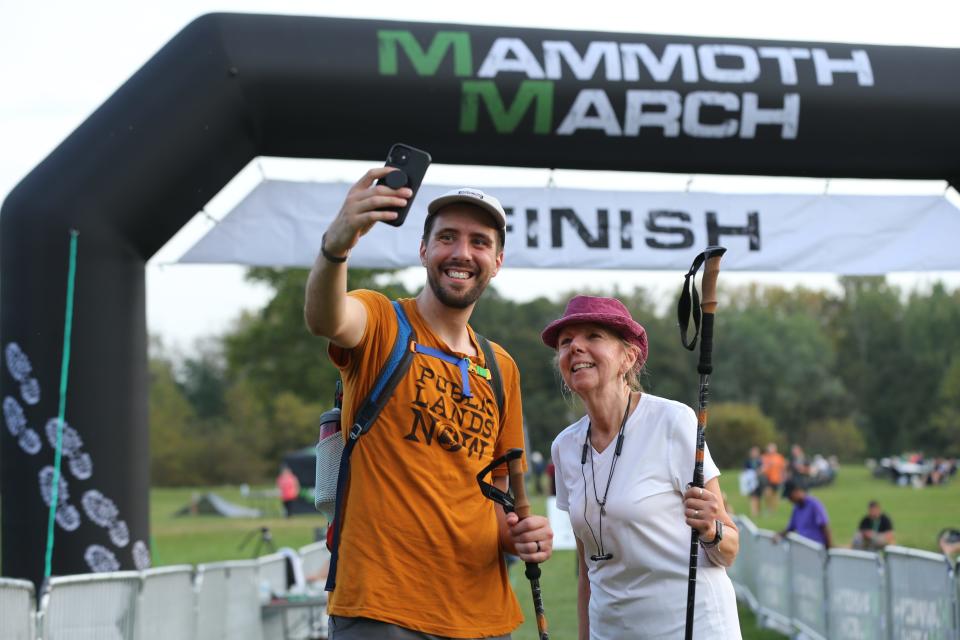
506, 118
426, 62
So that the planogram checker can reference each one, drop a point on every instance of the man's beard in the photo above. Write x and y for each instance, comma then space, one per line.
452, 299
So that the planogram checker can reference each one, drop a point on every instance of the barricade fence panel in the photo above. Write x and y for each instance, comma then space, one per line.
17, 606
808, 586
315, 557
922, 594
167, 607
857, 603
772, 567
272, 574
212, 594
743, 571
99, 606
243, 601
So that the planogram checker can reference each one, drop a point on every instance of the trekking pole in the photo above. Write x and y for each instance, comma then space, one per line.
711, 259
519, 504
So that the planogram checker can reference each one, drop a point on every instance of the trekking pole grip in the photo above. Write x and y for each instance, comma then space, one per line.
521, 502
708, 304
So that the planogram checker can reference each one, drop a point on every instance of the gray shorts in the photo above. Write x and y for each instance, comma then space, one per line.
342, 628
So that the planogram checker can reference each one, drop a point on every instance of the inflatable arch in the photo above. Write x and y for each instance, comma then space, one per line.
230, 88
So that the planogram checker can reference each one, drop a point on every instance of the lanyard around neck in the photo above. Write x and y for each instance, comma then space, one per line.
464, 364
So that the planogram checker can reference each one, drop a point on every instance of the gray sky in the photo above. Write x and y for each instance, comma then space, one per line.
60, 60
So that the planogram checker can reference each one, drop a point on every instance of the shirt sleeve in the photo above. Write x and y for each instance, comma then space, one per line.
563, 497
822, 518
864, 524
886, 524
379, 311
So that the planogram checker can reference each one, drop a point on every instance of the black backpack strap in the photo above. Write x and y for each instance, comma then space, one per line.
394, 370
490, 359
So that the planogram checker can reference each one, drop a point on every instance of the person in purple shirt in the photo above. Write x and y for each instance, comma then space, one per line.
809, 518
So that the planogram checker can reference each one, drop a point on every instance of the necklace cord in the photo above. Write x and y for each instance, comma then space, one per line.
616, 454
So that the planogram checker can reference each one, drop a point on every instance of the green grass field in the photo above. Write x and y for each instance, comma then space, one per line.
917, 515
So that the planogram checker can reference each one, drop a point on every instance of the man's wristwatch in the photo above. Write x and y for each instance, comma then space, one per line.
716, 540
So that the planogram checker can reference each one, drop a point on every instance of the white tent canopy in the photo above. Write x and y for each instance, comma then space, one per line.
280, 223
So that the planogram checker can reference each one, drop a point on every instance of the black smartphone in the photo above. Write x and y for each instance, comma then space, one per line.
411, 164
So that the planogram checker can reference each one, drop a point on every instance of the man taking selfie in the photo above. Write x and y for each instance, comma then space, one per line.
420, 548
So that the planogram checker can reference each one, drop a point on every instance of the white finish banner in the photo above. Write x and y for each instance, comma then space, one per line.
280, 224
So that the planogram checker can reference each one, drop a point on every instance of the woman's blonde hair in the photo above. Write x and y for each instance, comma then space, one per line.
632, 376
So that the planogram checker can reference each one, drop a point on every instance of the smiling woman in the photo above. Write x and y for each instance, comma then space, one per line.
645, 503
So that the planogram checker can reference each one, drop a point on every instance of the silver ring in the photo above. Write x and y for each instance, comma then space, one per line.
701, 493
696, 513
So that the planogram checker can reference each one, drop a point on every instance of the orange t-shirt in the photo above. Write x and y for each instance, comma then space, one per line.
419, 543
774, 466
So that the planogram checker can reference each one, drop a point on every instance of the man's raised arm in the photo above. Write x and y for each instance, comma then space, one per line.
327, 310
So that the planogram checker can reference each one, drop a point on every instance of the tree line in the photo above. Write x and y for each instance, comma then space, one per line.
870, 370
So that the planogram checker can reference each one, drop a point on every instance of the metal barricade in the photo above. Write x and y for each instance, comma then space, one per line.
743, 571
17, 607
857, 602
772, 571
228, 601
315, 557
167, 607
98, 606
922, 594
272, 574
808, 587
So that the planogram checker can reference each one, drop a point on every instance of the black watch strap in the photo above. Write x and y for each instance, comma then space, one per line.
329, 257
717, 538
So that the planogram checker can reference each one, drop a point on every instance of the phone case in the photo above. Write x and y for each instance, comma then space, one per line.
413, 163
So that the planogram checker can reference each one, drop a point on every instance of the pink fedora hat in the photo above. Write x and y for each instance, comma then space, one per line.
608, 312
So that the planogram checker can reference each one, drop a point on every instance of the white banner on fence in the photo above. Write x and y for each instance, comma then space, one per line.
280, 224
563, 536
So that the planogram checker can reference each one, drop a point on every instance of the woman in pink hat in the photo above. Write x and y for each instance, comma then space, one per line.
632, 517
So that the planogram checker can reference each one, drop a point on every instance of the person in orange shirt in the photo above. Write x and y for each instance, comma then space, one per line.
421, 549
774, 469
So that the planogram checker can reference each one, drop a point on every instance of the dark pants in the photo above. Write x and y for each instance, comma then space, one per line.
365, 629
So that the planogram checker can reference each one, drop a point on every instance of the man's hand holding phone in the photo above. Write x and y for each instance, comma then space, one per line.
366, 204
381, 195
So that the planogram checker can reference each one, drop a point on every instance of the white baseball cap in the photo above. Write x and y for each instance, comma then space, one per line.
475, 197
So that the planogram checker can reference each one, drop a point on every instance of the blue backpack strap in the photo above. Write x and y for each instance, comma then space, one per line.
394, 369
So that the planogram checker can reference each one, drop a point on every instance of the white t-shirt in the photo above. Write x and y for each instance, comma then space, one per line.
642, 591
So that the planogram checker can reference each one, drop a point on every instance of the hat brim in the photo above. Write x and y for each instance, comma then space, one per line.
443, 201
628, 329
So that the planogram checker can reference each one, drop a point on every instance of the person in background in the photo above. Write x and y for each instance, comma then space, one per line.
875, 530
799, 466
538, 464
289, 488
949, 541
808, 518
773, 469
821, 470
552, 477
751, 480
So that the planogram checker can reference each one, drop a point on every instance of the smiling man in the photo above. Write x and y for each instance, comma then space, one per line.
414, 521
